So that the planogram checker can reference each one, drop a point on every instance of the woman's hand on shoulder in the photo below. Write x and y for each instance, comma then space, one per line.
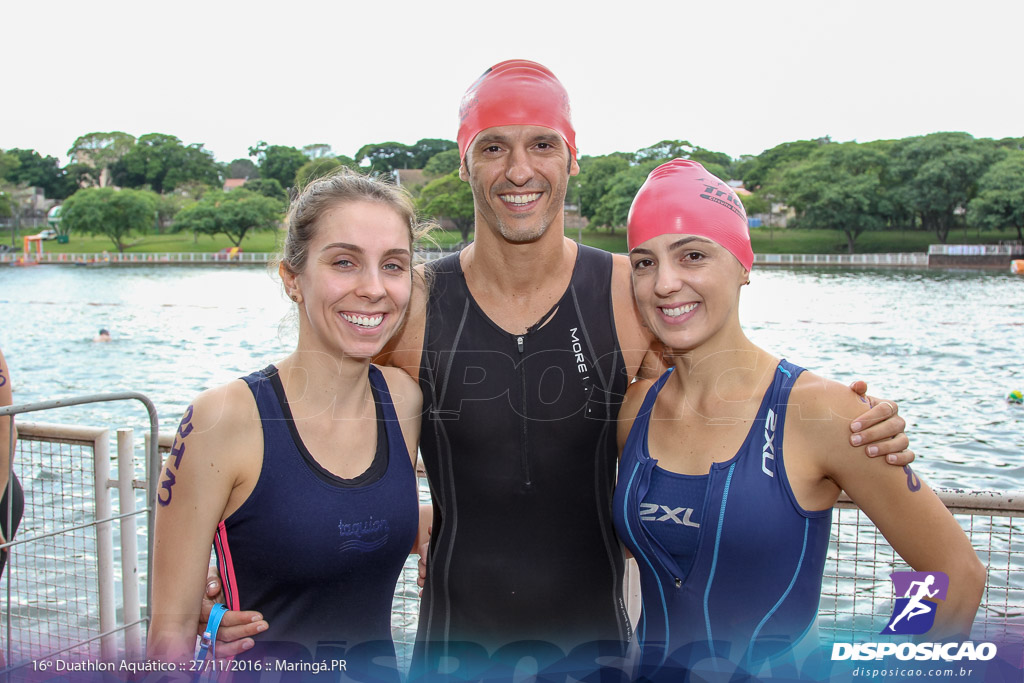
879, 428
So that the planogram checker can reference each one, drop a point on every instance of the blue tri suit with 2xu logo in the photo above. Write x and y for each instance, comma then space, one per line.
750, 593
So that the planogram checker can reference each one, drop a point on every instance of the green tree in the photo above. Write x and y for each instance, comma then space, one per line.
193, 189
268, 187
78, 176
758, 171
839, 187
243, 168
1000, 200
170, 205
443, 163
278, 162
385, 157
9, 164
317, 150
594, 178
666, 150
116, 214
35, 170
26, 167
348, 162
99, 151
449, 197
427, 148
233, 214
613, 207
163, 163
938, 174
755, 203
717, 163
316, 168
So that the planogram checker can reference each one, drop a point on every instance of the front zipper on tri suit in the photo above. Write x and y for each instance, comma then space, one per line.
524, 448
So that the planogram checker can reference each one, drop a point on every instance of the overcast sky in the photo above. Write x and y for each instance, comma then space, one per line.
735, 77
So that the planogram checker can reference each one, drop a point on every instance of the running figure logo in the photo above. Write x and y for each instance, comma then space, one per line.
914, 613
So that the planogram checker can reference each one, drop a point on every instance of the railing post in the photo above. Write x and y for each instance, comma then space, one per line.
129, 545
104, 546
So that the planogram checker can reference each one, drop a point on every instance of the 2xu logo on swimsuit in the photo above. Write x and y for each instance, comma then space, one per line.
914, 614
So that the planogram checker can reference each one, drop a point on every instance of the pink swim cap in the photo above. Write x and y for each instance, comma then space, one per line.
516, 92
682, 197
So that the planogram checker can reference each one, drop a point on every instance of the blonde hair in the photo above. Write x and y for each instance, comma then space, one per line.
340, 187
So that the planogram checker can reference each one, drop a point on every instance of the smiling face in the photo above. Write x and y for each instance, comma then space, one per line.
687, 289
354, 289
519, 176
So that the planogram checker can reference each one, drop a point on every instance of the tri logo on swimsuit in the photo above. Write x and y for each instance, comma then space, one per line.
649, 513
768, 450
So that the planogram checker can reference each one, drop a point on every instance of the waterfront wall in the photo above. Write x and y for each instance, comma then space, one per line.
942, 256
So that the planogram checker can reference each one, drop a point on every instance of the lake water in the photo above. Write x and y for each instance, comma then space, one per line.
946, 345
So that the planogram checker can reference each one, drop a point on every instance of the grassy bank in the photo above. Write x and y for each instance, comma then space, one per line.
779, 241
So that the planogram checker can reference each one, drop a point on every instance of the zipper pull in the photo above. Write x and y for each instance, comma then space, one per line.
679, 583
520, 342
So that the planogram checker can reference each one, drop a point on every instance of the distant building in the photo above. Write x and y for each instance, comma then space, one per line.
778, 216
29, 207
232, 183
411, 179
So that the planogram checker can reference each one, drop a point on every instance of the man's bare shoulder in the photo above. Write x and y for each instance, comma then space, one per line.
635, 339
631, 404
405, 393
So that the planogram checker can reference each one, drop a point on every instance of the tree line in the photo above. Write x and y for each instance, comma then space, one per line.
933, 182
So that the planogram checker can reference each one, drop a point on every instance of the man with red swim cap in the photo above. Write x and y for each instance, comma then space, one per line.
515, 92
523, 347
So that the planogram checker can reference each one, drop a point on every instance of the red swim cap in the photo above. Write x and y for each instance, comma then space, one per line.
516, 92
682, 197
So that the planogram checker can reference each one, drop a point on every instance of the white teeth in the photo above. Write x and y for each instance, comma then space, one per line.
520, 198
364, 320
674, 312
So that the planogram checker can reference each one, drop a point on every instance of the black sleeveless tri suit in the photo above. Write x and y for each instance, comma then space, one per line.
519, 444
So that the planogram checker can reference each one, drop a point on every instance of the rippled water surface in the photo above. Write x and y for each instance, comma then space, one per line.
947, 345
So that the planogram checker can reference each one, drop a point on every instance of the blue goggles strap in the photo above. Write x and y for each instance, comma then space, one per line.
209, 639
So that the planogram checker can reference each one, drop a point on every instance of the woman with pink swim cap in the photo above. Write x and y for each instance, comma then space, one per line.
732, 460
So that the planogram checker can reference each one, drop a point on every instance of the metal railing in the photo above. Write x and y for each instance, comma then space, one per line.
915, 259
856, 598
908, 259
60, 585
139, 258
976, 249
161, 258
